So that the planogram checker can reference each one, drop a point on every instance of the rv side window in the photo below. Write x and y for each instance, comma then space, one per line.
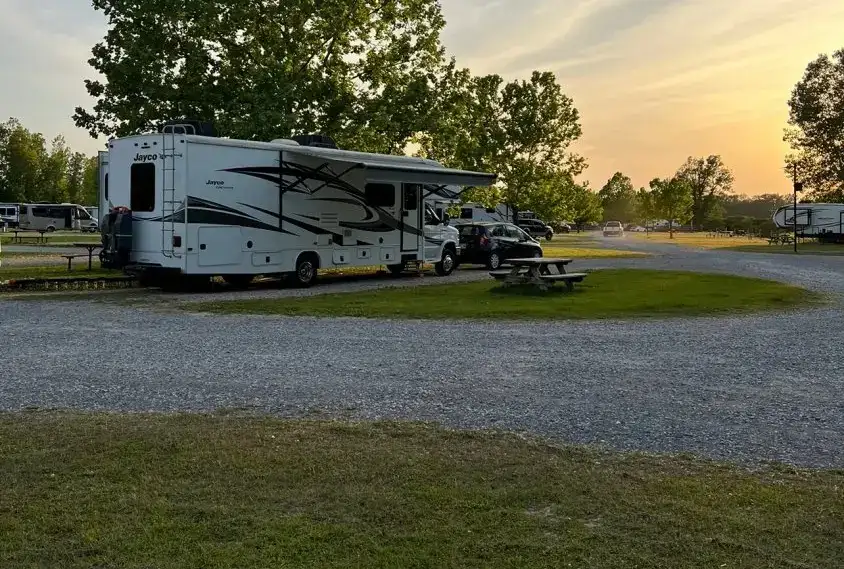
380, 195
39, 212
105, 184
465, 213
411, 196
142, 187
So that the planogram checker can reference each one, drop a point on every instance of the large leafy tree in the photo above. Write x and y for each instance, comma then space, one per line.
816, 133
22, 160
672, 200
646, 210
363, 71
522, 130
584, 206
618, 198
709, 180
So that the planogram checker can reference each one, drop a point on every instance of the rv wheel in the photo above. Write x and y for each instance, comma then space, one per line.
446, 266
396, 270
306, 270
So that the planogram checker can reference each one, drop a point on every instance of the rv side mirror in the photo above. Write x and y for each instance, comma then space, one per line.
446, 218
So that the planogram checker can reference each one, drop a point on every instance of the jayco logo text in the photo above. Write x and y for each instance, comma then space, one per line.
145, 157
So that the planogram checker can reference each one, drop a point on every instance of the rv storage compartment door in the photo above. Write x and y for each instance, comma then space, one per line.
342, 256
390, 255
219, 246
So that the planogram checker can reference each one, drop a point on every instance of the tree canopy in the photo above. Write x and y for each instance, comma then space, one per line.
363, 72
709, 180
672, 200
618, 198
816, 133
32, 171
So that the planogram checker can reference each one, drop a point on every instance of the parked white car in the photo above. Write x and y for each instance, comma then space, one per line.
613, 229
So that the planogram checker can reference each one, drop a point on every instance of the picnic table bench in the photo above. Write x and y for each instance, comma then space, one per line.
90, 247
541, 272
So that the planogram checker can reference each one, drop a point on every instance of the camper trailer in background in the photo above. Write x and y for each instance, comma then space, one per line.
824, 221
104, 206
186, 205
9, 216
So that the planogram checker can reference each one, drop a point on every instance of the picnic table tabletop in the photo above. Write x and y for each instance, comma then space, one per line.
539, 261
88, 245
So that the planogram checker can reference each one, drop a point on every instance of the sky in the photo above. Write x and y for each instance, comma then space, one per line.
655, 81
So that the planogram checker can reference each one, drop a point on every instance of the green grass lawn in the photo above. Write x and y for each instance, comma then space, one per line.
171, 492
79, 269
617, 293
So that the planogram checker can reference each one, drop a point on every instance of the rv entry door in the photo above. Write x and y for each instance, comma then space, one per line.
411, 217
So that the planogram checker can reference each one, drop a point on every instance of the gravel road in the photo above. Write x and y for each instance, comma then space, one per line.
728, 388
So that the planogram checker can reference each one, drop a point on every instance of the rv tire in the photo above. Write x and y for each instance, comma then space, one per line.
306, 269
447, 264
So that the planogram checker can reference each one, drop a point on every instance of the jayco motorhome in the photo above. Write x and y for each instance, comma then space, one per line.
822, 220
195, 205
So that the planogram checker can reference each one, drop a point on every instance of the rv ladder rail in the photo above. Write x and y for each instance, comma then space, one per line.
168, 193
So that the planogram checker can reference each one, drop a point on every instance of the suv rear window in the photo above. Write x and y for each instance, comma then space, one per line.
472, 230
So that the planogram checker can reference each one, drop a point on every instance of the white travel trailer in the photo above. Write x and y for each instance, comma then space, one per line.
9, 215
189, 206
822, 220
102, 186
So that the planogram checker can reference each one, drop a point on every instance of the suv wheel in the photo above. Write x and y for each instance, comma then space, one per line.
494, 261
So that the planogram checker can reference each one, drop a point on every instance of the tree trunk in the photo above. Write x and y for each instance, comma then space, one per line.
670, 229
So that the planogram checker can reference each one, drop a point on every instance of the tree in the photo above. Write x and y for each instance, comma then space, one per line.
52, 181
90, 182
645, 209
584, 206
673, 200
521, 130
22, 157
618, 198
709, 180
363, 72
816, 133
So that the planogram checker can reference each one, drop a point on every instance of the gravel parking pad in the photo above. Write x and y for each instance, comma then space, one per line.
729, 388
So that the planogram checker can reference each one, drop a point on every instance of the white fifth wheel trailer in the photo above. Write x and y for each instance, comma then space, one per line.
192, 206
104, 206
822, 220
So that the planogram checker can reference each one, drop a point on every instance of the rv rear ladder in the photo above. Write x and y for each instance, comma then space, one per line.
169, 202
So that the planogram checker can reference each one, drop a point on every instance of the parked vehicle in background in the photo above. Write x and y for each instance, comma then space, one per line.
53, 217
613, 229
536, 228
9, 215
491, 244
561, 227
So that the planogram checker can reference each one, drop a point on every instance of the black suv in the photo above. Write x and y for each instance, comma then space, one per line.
535, 228
491, 243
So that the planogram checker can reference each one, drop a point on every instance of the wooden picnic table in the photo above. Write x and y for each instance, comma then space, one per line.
90, 247
21, 234
541, 272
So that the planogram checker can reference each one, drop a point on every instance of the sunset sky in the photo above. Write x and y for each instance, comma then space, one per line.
655, 80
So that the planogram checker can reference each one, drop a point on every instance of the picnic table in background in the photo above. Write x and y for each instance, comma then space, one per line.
541, 272
21, 234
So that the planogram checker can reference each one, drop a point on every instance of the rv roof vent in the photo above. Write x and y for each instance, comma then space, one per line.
315, 140
189, 126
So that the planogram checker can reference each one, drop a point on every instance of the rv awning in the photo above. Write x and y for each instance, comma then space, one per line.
411, 173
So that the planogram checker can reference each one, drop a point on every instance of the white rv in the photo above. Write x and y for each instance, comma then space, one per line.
821, 220
192, 206
9, 215
472, 212
103, 205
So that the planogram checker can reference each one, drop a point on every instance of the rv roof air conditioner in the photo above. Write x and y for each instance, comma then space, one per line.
189, 126
315, 140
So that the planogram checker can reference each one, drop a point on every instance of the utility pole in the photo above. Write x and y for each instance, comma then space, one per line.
798, 187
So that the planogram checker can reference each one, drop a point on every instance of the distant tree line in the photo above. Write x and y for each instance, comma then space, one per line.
31, 170
700, 195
